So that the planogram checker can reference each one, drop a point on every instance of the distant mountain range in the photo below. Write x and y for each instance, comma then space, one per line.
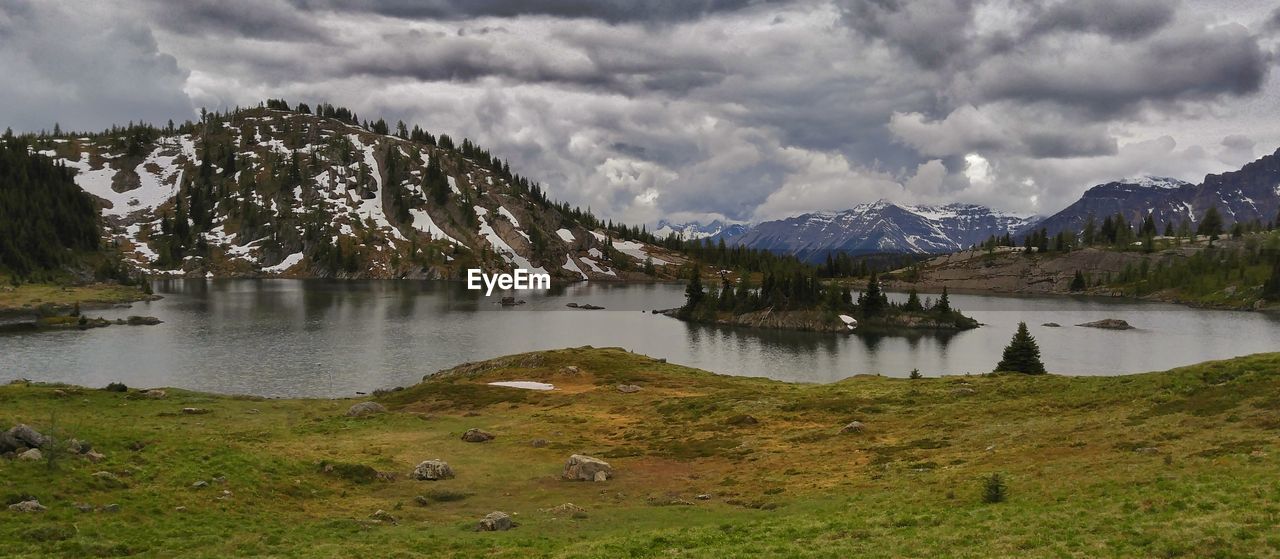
881, 227
1252, 193
694, 230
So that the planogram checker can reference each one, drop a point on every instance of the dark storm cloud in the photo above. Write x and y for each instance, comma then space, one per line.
612, 11
272, 20
929, 31
1128, 19
1186, 64
83, 69
737, 108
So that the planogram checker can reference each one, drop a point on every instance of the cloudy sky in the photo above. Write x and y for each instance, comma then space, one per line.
696, 109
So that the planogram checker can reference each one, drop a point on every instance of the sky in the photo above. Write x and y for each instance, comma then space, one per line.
745, 110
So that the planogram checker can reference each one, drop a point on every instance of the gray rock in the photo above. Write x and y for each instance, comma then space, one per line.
581, 467
628, 388
477, 436
432, 470
496, 521
28, 506
1108, 324
24, 434
154, 393
383, 516
366, 408
109, 479
77, 446
854, 427
95, 456
539, 443
113, 507
83, 507
31, 455
200, 484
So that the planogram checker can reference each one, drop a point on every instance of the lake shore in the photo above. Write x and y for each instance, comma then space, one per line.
711, 464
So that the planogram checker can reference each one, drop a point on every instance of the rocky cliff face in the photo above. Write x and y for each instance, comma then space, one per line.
1248, 195
278, 192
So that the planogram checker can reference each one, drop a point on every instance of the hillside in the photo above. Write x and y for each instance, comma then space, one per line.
280, 191
880, 227
1179, 463
1232, 273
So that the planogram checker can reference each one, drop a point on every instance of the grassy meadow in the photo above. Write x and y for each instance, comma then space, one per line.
1181, 463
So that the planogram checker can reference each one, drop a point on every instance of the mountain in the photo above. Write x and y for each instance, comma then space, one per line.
882, 227
278, 191
694, 230
1249, 194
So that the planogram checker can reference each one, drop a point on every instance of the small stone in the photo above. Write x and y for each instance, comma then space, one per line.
95, 457
83, 507
571, 370
703, 497
109, 479
854, 427
180, 509
113, 507
383, 516
31, 455
195, 411
200, 484
495, 522
432, 470
366, 409
60, 393
566, 509
477, 436
628, 388
1146, 450
28, 506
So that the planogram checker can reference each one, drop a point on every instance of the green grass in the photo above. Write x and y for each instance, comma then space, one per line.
27, 296
1174, 464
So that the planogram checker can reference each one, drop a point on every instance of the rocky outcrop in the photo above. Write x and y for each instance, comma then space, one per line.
432, 470
22, 436
28, 506
854, 427
1108, 324
477, 436
581, 467
364, 409
495, 521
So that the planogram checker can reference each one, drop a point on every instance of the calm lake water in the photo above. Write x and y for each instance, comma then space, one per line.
334, 338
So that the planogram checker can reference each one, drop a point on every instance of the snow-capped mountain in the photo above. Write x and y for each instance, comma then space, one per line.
1250, 194
267, 191
882, 227
695, 230
1134, 198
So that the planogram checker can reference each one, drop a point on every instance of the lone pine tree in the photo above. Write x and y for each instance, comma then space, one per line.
1022, 354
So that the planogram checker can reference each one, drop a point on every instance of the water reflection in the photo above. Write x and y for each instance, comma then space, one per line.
324, 337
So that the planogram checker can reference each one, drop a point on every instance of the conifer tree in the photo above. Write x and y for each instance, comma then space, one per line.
913, 301
1022, 354
944, 303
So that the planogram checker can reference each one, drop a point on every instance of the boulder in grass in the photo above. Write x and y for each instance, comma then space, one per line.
854, 427
477, 436
432, 470
363, 409
496, 521
581, 467
28, 506
31, 455
24, 435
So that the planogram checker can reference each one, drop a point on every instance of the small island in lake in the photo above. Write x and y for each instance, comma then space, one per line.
800, 301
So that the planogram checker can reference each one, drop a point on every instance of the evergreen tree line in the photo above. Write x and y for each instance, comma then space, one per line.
45, 219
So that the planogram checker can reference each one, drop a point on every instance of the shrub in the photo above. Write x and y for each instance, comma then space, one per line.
915, 374
994, 489
116, 387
